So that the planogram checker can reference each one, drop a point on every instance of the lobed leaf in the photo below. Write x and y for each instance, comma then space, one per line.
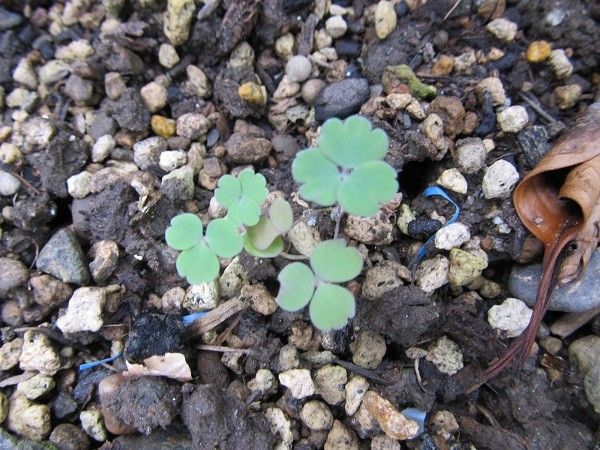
333, 261
245, 212
352, 142
273, 250
297, 284
281, 215
228, 191
262, 234
331, 307
185, 231
318, 176
224, 238
370, 184
254, 185
198, 264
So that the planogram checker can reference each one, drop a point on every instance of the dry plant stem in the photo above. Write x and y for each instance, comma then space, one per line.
294, 257
216, 316
218, 348
338, 220
451, 10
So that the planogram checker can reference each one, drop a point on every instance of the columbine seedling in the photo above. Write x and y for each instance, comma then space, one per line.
346, 170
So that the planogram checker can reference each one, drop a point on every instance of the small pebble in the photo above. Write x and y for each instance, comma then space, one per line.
93, 425
202, 297
392, 422
192, 125
28, 419
446, 356
341, 437
443, 65
259, 298
198, 81
80, 185
560, 64
453, 180
368, 349
68, 436
433, 273
298, 68
9, 184
311, 90
298, 381
499, 180
114, 85
36, 386
316, 415
178, 19
284, 46
10, 353
172, 159
503, 29
167, 56
329, 383
84, 312
465, 267
336, 26
444, 422
103, 147
511, 317
470, 155
38, 354
105, 255
513, 119
281, 426
381, 278
538, 51
494, 87
163, 126
253, 93
154, 96
451, 236
385, 18
567, 96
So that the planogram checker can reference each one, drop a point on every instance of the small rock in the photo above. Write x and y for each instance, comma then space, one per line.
79, 89
25, 74
3, 407
179, 183
499, 179
14, 273
567, 96
37, 132
385, 18
433, 128
80, 185
374, 230
130, 111
63, 258
443, 65
560, 64
336, 26
451, 236
84, 312
452, 112
167, 55
341, 438
10, 353
368, 349
453, 180
172, 300
298, 68
383, 441
146, 153
93, 425
192, 126
494, 87
578, 296
381, 278
303, 237
172, 159
114, 85
233, 278
585, 353
356, 389
433, 273
311, 90
101, 125
163, 126
10, 153
154, 96
444, 422
198, 81
28, 419
551, 344
260, 298
102, 148
503, 29
342, 98
280, 426
288, 358
202, 297
391, 421
465, 267
48, 291
470, 155
329, 383
511, 317
253, 93
245, 149
105, 256
178, 20
316, 416
538, 51
591, 384
263, 381
36, 386
53, 71
284, 46
67, 436
513, 119
38, 354
298, 381
446, 356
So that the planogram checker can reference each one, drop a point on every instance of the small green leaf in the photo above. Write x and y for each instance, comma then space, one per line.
318, 175
273, 250
229, 191
297, 284
331, 307
352, 142
333, 261
281, 215
367, 187
254, 185
185, 231
244, 212
224, 238
262, 234
198, 265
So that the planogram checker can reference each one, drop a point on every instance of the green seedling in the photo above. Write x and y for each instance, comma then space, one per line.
242, 196
346, 167
198, 261
265, 239
331, 305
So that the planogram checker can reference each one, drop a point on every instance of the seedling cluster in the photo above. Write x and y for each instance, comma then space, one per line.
345, 170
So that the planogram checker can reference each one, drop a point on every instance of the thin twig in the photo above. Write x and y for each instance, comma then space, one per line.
535, 105
25, 182
360, 370
216, 316
451, 10
294, 257
219, 348
225, 334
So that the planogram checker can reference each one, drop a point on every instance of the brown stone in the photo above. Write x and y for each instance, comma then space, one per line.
391, 421
452, 112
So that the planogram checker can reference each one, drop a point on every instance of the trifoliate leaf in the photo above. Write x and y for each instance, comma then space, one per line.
318, 176
245, 212
281, 215
228, 191
368, 186
254, 186
262, 234
224, 238
331, 307
333, 261
185, 231
352, 142
297, 284
273, 250
198, 264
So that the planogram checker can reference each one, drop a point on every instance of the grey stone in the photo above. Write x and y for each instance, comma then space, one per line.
342, 98
102, 125
63, 258
13, 273
130, 111
79, 89
9, 184
8, 19
580, 295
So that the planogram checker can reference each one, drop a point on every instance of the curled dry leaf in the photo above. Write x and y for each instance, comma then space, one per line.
559, 203
170, 365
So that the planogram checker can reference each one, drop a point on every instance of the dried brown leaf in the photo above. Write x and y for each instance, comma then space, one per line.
170, 365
